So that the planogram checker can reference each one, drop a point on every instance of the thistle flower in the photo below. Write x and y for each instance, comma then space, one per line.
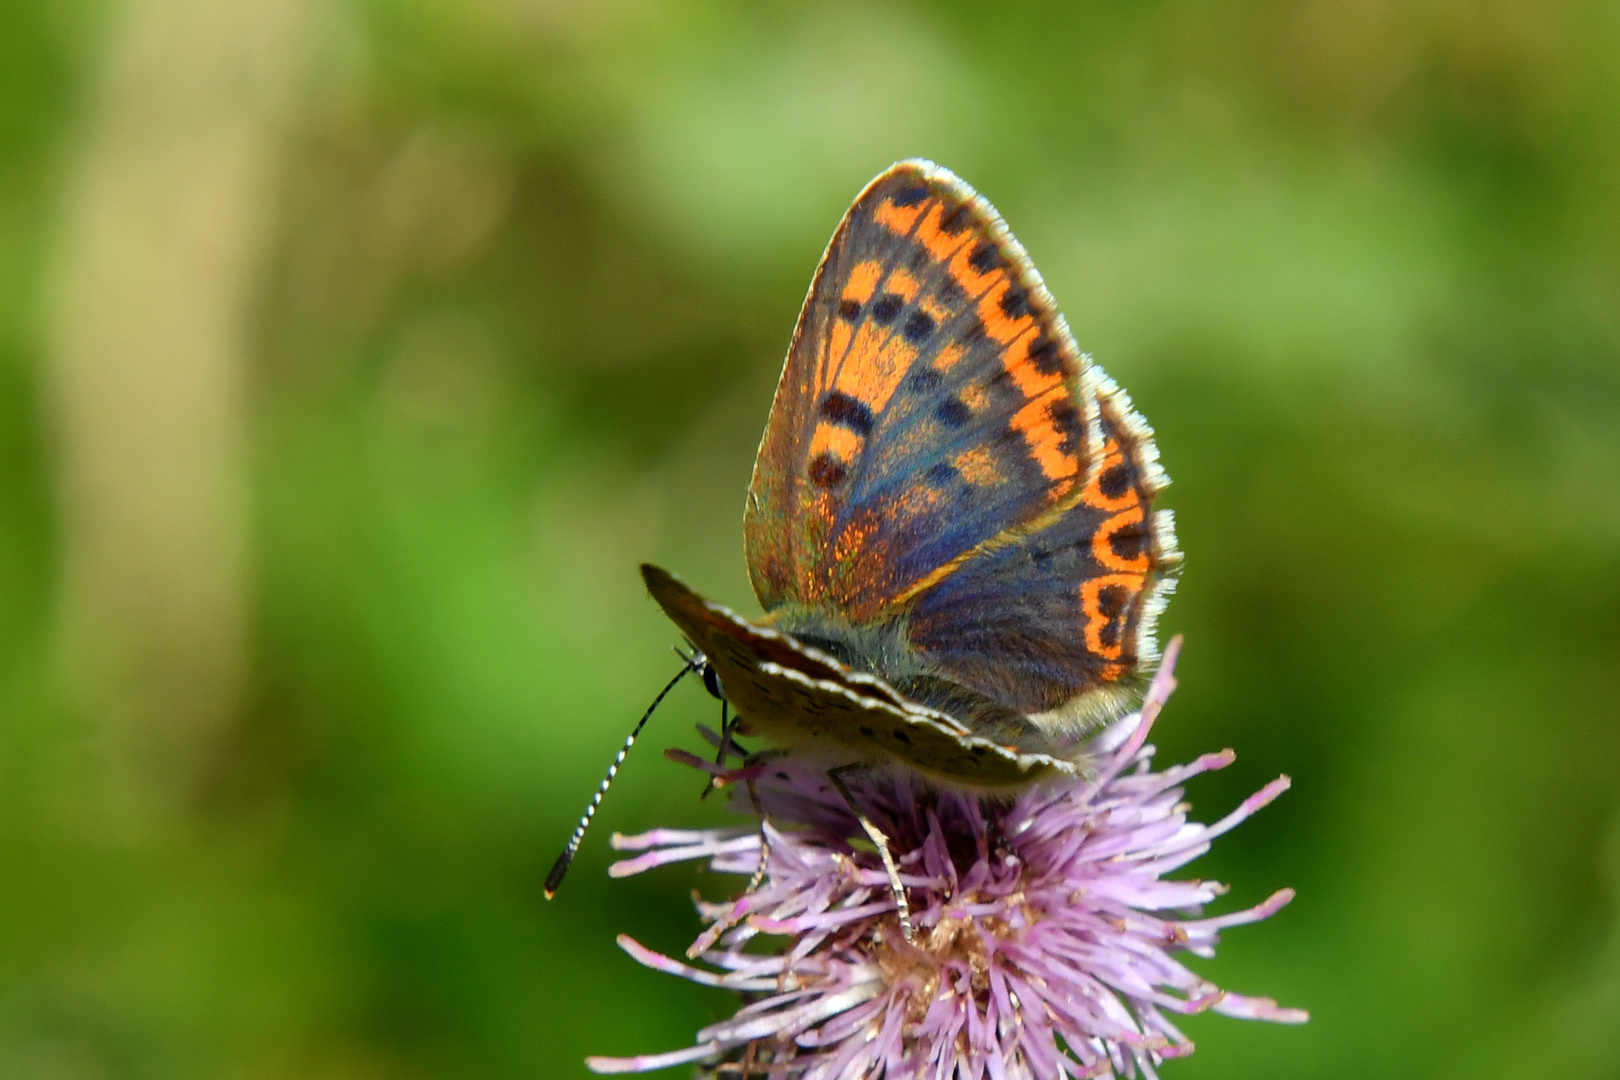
1046, 933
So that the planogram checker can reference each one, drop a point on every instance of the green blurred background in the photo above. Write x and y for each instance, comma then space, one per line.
353, 354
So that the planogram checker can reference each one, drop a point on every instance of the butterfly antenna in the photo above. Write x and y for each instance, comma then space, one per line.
566, 859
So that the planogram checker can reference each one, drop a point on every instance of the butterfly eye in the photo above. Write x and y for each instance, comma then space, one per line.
711, 682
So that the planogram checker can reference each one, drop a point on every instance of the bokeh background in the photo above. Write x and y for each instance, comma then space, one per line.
352, 354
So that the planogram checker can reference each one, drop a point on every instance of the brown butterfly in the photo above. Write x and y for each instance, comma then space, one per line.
950, 525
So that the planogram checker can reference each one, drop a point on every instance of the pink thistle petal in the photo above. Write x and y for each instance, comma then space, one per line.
1049, 937
1253, 803
659, 962
714, 847
665, 838
822, 920
691, 760
1263, 910
1158, 693
1253, 1008
651, 1062
711, 937
721, 773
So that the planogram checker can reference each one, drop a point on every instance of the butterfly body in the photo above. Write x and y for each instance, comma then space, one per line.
950, 524
794, 694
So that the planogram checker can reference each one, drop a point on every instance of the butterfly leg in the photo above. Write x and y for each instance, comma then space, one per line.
726, 726
873, 833
738, 908
764, 839
757, 758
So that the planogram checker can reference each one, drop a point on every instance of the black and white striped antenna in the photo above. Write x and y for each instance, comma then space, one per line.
696, 662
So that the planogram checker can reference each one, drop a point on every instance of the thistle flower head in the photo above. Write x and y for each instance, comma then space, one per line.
1046, 932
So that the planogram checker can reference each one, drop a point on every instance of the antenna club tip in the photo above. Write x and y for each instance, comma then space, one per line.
554, 879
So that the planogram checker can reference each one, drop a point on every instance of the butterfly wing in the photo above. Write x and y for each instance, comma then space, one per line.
1059, 621
787, 691
930, 451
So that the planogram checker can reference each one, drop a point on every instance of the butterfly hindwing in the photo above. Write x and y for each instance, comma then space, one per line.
1058, 623
784, 690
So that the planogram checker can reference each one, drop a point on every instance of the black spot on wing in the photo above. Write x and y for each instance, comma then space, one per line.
1116, 481
918, 327
1113, 603
953, 412
957, 218
887, 307
1066, 418
827, 471
849, 310
847, 411
910, 196
924, 380
941, 474
1046, 357
1015, 303
985, 258
1129, 542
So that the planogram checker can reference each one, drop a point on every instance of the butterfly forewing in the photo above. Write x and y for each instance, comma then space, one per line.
940, 452
930, 400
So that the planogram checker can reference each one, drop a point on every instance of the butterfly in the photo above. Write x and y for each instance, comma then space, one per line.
950, 525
